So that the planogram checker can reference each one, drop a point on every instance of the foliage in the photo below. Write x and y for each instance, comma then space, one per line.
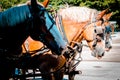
113, 5
9, 3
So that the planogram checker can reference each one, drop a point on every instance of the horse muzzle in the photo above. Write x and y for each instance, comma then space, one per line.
98, 52
108, 46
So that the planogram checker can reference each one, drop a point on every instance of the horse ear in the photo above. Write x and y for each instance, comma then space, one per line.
34, 5
101, 14
107, 17
45, 3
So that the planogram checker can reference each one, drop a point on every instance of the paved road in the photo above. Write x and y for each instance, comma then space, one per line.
107, 68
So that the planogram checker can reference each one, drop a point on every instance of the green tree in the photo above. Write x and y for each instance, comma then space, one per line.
113, 5
5, 4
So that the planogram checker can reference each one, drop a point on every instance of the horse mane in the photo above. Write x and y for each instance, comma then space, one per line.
79, 14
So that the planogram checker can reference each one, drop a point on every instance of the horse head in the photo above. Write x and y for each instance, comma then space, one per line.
45, 29
99, 42
94, 35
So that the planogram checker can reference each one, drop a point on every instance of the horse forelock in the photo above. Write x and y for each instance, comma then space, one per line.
79, 14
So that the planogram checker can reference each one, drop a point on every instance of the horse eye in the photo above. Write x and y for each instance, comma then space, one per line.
95, 31
101, 35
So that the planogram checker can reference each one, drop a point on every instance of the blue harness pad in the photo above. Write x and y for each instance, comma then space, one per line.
55, 32
14, 16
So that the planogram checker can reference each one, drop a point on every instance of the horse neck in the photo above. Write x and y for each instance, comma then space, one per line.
73, 27
77, 13
74, 30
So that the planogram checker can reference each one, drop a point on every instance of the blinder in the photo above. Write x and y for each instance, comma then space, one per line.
38, 19
99, 34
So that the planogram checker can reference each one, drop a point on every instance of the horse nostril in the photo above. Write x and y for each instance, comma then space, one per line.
99, 40
110, 47
94, 45
106, 42
103, 54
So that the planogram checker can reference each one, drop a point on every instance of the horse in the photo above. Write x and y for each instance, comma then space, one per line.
109, 30
82, 23
16, 25
75, 27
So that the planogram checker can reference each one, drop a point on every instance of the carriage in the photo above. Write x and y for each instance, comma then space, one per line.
26, 23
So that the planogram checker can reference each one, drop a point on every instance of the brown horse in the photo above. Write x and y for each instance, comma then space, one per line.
83, 23
77, 29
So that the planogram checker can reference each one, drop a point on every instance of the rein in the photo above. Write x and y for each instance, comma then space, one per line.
80, 33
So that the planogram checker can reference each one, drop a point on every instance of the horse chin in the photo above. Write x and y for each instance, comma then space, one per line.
107, 49
99, 57
98, 54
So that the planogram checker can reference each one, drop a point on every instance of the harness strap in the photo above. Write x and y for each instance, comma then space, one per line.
53, 22
79, 33
34, 52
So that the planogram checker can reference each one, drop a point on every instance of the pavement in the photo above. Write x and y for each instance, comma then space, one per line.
107, 68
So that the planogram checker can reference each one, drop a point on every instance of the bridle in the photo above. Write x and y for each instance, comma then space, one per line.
98, 33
